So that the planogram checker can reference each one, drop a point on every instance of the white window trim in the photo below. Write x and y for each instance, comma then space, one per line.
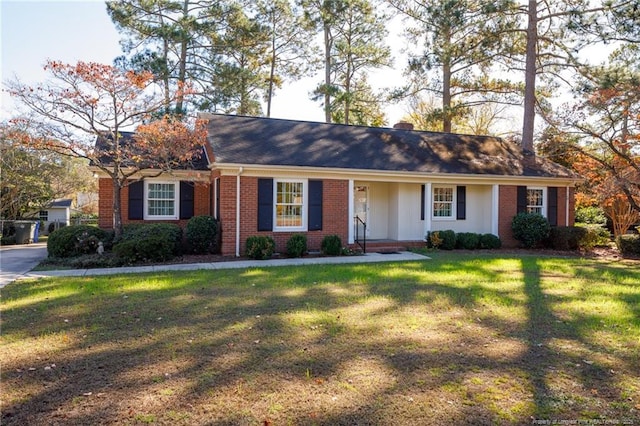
453, 203
544, 198
305, 204
176, 210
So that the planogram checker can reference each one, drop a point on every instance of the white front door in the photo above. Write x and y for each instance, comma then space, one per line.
361, 208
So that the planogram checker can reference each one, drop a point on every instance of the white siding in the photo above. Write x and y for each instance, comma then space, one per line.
478, 218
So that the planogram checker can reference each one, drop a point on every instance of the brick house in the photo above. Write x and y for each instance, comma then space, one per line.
281, 177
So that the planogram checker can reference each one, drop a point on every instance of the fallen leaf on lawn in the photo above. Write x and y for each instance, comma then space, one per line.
87, 394
256, 341
587, 362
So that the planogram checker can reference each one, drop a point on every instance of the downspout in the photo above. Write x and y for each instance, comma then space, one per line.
566, 209
240, 170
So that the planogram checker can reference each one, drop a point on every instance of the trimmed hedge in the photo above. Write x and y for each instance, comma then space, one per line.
141, 231
201, 233
490, 241
149, 248
530, 228
260, 247
297, 245
467, 241
331, 245
595, 236
75, 240
628, 244
566, 237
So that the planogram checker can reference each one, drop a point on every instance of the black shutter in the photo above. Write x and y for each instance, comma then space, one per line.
552, 205
315, 205
265, 204
461, 203
422, 195
136, 200
186, 199
522, 199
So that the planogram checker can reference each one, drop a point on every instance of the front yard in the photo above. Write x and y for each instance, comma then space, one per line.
465, 338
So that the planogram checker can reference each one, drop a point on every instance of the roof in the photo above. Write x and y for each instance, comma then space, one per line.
277, 142
103, 144
61, 203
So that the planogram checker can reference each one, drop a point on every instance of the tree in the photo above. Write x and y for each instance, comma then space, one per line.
358, 48
291, 48
463, 40
83, 102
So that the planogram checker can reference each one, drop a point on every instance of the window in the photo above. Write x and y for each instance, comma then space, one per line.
535, 201
161, 200
44, 215
443, 202
290, 205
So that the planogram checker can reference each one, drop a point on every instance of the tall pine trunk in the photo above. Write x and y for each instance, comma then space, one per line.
530, 78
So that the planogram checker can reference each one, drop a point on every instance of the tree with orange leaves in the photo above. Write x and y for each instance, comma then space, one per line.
81, 104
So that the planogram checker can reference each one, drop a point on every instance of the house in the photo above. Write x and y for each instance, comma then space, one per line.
281, 177
56, 214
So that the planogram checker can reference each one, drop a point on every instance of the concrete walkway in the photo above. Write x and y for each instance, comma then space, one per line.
236, 264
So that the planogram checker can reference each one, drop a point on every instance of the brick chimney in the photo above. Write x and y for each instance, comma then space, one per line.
403, 125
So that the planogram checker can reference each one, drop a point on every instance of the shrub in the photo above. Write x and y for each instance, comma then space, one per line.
433, 239
8, 240
628, 244
565, 237
448, 238
530, 228
76, 240
141, 231
467, 241
592, 215
260, 247
331, 245
490, 241
150, 248
595, 236
54, 226
297, 245
202, 234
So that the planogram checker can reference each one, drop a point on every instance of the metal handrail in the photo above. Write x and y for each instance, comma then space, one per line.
362, 245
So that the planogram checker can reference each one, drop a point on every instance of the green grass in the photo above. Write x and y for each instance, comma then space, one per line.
459, 339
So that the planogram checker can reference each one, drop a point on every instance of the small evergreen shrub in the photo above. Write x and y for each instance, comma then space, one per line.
628, 244
331, 245
448, 238
490, 241
592, 215
75, 240
467, 241
149, 248
565, 237
141, 231
202, 234
260, 247
530, 228
297, 245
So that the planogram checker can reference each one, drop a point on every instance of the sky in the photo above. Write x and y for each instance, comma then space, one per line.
70, 31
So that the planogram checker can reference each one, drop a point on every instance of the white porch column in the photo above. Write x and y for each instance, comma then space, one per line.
427, 209
351, 211
495, 208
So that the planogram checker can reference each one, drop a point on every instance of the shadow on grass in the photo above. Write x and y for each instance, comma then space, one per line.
384, 344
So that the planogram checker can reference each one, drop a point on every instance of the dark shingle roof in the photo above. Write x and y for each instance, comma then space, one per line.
264, 141
103, 144
63, 202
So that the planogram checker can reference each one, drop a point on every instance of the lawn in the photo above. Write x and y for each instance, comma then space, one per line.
459, 339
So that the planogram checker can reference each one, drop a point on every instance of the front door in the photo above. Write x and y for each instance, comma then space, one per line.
361, 208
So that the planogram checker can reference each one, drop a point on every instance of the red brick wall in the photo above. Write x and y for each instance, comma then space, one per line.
507, 209
335, 212
508, 206
202, 204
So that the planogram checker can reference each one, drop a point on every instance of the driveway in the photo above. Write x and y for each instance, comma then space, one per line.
17, 260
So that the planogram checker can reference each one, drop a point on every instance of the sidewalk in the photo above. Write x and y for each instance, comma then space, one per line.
237, 264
